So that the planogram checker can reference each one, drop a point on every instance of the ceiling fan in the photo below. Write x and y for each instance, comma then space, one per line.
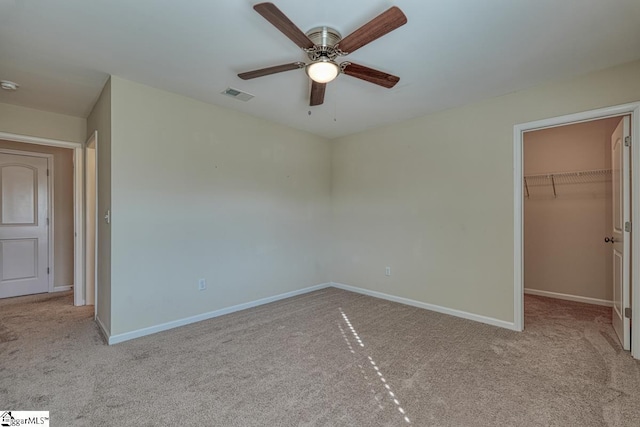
323, 45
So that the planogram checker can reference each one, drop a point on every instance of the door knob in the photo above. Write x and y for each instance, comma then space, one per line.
609, 240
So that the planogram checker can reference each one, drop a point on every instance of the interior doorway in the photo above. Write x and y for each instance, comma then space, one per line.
569, 177
589, 180
567, 211
77, 195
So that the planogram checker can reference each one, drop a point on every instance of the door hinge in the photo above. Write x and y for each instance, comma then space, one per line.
47, 222
627, 226
627, 141
47, 172
48, 270
627, 312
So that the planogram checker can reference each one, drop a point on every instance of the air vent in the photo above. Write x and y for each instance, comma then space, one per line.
237, 94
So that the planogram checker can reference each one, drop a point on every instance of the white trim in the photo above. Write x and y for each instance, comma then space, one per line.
634, 110
50, 209
41, 141
52, 221
569, 297
635, 231
115, 339
78, 217
518, 231
431, 307
62, 288
105, 331
93, 139
78, 247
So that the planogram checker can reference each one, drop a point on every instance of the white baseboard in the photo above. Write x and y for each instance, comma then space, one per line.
62, 288
431, 307
114, 339
569, 297
103, 329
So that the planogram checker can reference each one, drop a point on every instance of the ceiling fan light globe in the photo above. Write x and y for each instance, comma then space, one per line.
322, 71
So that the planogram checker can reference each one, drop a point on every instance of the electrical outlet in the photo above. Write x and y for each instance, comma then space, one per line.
202, 284
387, 271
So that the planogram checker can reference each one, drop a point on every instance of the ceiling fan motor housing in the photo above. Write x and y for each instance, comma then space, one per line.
324, 38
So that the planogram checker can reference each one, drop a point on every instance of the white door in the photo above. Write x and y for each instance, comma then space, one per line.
621, 235
23, 225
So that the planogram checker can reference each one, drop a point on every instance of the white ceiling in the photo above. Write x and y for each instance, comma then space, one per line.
451, 52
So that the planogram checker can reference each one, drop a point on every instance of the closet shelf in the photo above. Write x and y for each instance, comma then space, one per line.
565, 178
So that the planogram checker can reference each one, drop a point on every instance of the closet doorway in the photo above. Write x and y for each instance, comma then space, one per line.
567, 212
576, 181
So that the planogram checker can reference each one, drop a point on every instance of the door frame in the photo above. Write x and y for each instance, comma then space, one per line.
92, 139
632, 109
78, 205
50, 212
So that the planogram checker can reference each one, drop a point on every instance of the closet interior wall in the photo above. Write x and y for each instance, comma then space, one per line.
567, 215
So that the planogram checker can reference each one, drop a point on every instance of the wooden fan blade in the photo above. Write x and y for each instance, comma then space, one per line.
270, 70
317, 93
271, 13
374, 29
371, 75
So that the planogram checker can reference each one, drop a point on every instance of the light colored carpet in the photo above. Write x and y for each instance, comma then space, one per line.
329, 358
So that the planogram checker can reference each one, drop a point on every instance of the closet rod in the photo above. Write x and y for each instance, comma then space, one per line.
591, 172
558, 180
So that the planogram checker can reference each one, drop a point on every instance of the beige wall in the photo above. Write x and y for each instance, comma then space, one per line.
432, 197
62, 207
199, 191
100, 119
564, 251
27, 121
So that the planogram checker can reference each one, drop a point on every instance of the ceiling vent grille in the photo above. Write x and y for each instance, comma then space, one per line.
237, 94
